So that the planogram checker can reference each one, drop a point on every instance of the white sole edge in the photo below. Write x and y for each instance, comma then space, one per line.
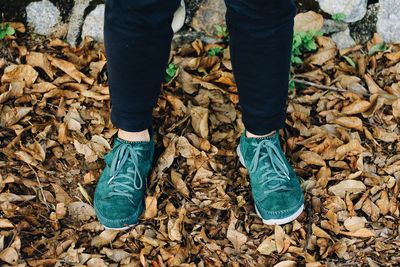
272, 221
119, 229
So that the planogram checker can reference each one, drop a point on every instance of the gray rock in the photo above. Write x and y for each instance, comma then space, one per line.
209, 14
353, 9
94, 24
179, 17
76, 19
187, 37
42, 16
388, 25
331, 26
343, 39
363, 30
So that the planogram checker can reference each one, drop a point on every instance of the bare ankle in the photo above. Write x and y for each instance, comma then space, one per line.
134, 136
250, 135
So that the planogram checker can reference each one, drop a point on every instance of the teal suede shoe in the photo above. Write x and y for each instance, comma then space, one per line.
120, 191
276, 190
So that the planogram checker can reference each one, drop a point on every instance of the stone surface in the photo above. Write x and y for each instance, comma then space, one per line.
363, 30
331, 26
209, 14
179, 17
388, 25
353, 9
76, 20
343, 39
187, 37
94, 24
43, 16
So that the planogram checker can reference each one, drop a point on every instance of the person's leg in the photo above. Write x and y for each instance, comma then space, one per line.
137, 35
137, 40
261, 35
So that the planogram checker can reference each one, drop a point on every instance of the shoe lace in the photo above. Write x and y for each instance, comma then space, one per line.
125, 183
272, 162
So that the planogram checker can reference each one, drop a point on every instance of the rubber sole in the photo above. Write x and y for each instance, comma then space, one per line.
119, 229
272, 221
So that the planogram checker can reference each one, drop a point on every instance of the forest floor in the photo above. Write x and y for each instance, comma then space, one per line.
341, 135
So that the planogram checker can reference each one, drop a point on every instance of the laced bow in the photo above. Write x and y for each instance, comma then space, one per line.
124, 184
275, 173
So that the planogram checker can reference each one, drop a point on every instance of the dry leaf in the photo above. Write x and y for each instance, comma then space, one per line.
179, 184
304, 22
151, 207
268, 246
20, 73
279, 238
350, 186
354, 223
199, 117
312, 158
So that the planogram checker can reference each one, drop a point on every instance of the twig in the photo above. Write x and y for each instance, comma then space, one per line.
40, 186
320, 86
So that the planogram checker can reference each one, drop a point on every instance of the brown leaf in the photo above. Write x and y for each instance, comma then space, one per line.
199, 117
352, 148
286, 263
351, 186
279, 238
9, 117
106, 237
312, 158
81, 211
322, 56
363, 233
36, 59
151, 207
237, 238
304, 22
5, 223
350, 122
358, 106
179, 184
86, 150
20, 73
9, 255
268, 246
354, 223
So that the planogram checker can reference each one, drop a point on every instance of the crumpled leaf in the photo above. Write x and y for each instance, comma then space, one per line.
24, 73
347, 186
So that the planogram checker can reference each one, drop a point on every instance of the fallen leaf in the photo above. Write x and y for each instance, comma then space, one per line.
347, 186
151, 207
308, 21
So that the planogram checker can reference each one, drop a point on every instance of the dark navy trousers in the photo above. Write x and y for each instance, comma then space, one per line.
138, 37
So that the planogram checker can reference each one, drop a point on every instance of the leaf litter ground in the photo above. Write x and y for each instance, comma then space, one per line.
341, 135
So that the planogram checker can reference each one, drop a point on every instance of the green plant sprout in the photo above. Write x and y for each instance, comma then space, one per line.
222, 32
6, 30
381, 47
215, 51
303, 42
339, 17
170, 72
